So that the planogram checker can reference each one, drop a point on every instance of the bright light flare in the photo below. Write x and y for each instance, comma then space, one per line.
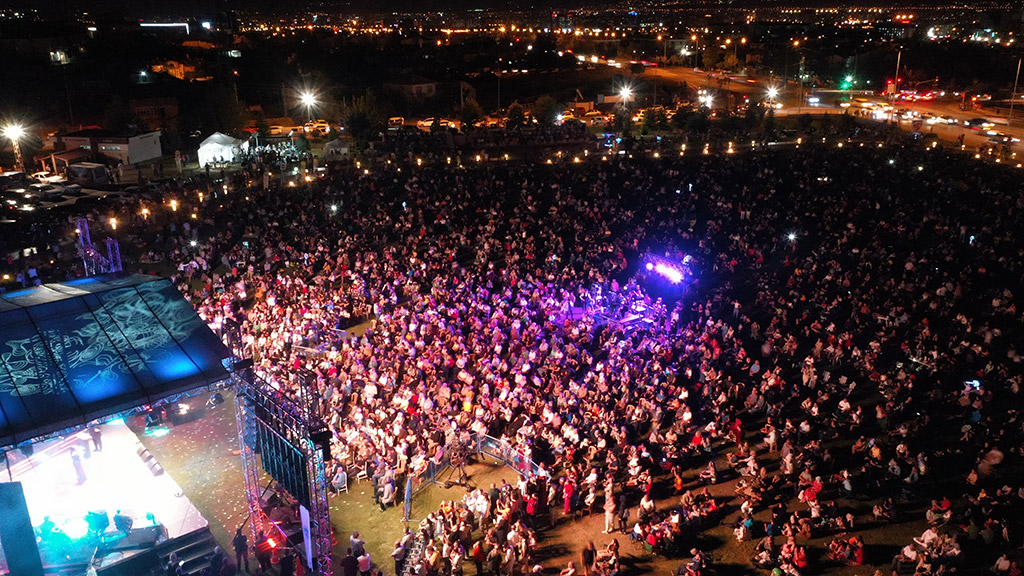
626, 92
773, 92
670, 272
308, 99
675, 276
14, 131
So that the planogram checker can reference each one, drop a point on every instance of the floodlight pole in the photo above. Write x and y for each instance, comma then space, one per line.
1013, 96
17, 154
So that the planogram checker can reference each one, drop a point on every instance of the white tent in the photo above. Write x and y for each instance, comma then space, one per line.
336, 147
220, 147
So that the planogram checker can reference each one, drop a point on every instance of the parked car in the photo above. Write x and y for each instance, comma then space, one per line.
45, 190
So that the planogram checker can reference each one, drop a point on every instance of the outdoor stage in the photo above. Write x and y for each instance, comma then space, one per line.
116, 478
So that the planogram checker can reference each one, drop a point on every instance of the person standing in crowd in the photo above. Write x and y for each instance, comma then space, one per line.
357, 544
217, 560
349, 564
241, 546
287, 564
365, 563
398, 555
263, 552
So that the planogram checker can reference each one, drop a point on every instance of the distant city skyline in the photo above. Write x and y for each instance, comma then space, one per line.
209, 8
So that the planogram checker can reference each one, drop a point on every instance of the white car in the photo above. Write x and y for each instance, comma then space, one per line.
425, 124
47, 177
321, 127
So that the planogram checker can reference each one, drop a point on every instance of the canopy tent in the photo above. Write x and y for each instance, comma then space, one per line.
337, 147
77, 351
220, 147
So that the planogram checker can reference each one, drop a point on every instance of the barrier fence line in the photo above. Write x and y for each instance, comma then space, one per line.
483, 445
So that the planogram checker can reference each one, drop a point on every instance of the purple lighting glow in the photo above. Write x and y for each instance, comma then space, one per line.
650, 266
673, 274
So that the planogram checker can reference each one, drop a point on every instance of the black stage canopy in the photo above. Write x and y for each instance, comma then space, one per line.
77, 351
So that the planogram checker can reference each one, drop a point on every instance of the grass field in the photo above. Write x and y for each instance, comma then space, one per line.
202, 457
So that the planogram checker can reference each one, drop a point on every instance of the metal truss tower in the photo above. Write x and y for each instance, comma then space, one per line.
259, 405
92, 261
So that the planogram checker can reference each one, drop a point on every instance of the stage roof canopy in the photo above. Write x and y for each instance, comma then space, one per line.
77, 351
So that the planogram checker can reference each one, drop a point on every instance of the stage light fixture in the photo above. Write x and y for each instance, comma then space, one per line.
216, 399
76, 528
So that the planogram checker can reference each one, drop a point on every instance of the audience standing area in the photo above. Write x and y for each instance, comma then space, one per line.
82, 493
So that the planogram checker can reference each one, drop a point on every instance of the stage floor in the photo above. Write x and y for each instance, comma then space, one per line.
116, 478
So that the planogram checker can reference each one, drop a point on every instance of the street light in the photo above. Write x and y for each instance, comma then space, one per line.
308, 100
14, 133
773, 92
626, 93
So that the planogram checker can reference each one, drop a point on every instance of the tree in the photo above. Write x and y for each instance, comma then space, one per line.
847, 124
804, 122
826, 124
622, 123
363, 119
711, 57
471, 112
682, 117
655, 120
545, 110
515, 114
116, 115
263, 128
222, 110
752, 117
731, 61
699, 123
301, 143
732, 124
769, 125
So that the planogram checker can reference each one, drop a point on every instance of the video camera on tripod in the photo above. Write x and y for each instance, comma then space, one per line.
458, 453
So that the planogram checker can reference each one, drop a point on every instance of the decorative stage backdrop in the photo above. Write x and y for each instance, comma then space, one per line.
74, 352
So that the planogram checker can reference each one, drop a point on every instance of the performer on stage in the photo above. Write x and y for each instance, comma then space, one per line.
76, 461
97, 438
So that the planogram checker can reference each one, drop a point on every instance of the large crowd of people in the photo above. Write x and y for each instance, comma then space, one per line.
850, 334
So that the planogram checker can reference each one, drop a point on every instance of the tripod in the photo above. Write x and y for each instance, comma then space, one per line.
457, 469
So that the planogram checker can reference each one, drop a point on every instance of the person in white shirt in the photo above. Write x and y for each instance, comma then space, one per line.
387, 496
340, 480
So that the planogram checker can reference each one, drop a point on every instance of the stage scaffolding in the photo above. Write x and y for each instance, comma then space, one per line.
259, 405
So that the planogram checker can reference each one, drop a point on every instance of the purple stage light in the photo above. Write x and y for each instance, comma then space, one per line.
650, 266
676, 276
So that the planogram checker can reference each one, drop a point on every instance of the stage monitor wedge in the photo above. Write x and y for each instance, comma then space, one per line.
16, 533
